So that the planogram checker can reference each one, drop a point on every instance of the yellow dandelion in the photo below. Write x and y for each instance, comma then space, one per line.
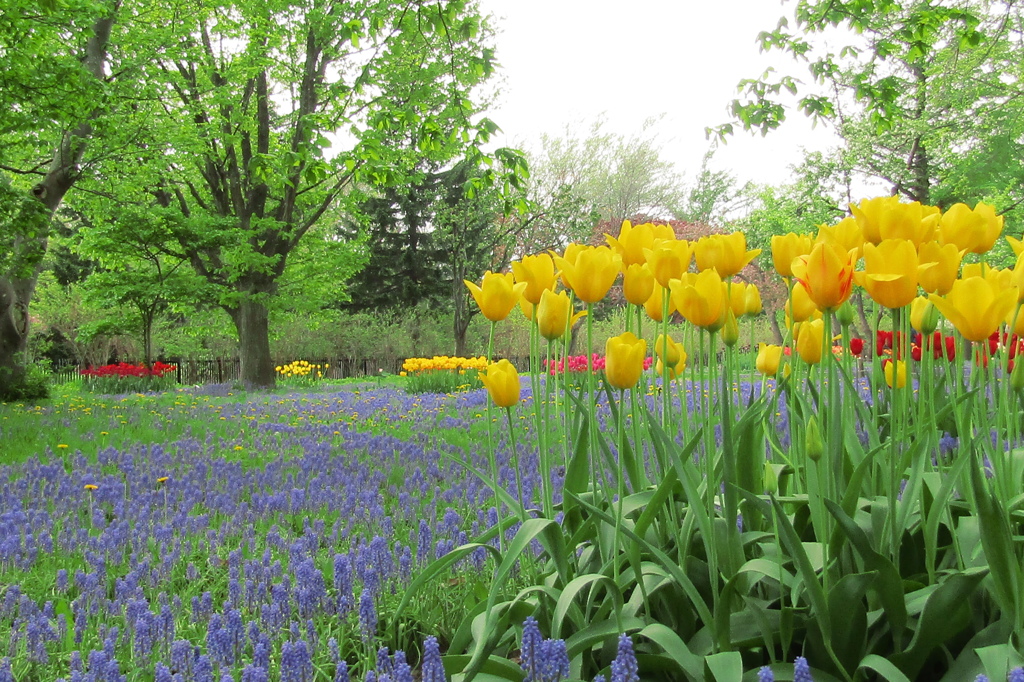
91, 487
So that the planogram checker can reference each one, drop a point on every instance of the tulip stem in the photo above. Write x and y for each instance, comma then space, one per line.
513, 458
490, 439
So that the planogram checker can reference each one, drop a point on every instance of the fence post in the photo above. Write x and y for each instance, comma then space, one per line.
220, 371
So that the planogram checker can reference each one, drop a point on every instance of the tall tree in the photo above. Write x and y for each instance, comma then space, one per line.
52, 88
266, 115
915, 88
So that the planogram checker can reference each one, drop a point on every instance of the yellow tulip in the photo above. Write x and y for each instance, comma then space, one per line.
704, 302
768, 359
554, 315
652, 306
666, 348
637, 283
890, 272
631, 242
502, 383
731, 329
787, 247
1016, 244
1015, 321
975, 231
1016, 278
752, 301
889, 218
569, 255
897, 368
538, 272
976, 306
809, 339
593, 272
938, 267
737, 297
674, 371
845, 234
827, 274
803, 307
497, 296
725, 253
924, 316
1000, 278
624, 360
669, 259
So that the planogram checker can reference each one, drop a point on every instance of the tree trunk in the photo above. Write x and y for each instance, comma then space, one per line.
14, 299
251, 320
776, 330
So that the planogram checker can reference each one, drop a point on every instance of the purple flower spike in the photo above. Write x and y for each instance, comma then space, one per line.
765, 674
624, 667
801, 670
432, 668
1016, 675
981, 678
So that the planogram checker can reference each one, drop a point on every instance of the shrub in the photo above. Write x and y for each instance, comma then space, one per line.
31, 384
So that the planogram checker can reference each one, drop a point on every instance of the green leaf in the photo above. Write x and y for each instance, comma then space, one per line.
726, 666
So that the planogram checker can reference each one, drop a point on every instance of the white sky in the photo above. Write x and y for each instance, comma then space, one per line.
566, 61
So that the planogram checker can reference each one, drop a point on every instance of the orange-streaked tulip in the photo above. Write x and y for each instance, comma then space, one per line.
637, 283
624, 360
787, 247
631, 242
725, 253
845, 234
768, 359
827, 274
669, 259
538, 272
889, 218
593, 272
976, 306
554, 314
803, 307
890, 272
497, 295
924, 316
653, 304
975, 231
895, 373
666, 348
752, 301
938, 267
502, 383
704, 302
809, 339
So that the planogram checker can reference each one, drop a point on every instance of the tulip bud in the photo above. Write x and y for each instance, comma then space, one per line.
845, 314
924, 316
752, 301
731, 329
812, 440
771, 479
1017, 376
